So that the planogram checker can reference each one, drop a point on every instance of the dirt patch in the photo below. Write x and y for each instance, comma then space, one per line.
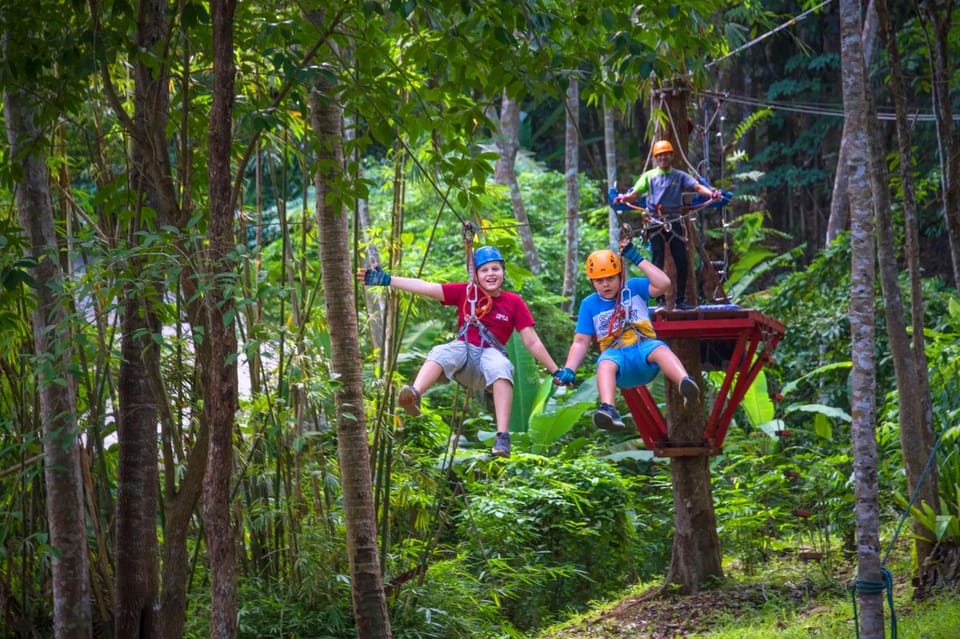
668, 615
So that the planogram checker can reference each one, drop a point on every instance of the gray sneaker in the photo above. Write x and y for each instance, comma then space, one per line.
689, 389
607, 418
501, 445
409, 400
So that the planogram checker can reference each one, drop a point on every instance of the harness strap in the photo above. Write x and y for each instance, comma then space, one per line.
486, 337
619, 320
474, 307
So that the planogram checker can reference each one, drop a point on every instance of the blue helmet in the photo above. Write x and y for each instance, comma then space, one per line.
486, 254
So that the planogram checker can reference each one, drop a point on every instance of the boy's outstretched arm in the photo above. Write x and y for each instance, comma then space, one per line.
376, 276
578, 350
531, 341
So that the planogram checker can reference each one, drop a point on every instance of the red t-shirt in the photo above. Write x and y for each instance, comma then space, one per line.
508, 313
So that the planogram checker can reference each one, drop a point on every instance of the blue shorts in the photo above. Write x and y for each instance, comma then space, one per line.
633, 369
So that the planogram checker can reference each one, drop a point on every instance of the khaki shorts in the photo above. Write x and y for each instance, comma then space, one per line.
474, 367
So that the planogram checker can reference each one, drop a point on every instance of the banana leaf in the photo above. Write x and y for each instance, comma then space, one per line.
550, 420
526, 383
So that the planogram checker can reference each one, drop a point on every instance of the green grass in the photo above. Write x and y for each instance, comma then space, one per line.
935, 618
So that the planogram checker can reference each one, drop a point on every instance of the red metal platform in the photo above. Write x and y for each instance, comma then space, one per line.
747, 335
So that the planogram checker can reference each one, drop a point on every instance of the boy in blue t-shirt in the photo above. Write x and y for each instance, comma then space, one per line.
617, 318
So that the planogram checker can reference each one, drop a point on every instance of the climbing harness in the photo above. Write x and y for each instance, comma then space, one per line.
475, 307
477, 304
656, 220
619, 321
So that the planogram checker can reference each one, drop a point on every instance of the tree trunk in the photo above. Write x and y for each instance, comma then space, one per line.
136, 561
72, 612
369, 599
572, 167
910, 362
939, 14
610, 160
862, 342
508, 144
220, 372
696, 545
840, 202
136, 583
179, 507
696, 555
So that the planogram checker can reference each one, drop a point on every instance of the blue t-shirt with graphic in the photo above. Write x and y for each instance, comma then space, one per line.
596, 313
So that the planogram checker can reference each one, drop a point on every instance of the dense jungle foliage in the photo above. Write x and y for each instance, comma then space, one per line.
483, 547
470, 546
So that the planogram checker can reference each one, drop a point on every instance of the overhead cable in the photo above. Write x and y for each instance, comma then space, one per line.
788, 23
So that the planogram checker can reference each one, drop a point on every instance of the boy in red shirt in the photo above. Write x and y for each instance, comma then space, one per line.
476, 357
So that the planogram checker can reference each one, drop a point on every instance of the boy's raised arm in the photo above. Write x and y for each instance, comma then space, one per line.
376, 276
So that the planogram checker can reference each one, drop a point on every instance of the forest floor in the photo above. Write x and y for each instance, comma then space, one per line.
792, 599
660, 614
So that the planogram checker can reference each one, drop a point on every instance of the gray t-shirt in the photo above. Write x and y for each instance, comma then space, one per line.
664, 188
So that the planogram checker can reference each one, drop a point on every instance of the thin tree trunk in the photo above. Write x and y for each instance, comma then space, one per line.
610, 160
572, 168
152, 178
136, 582
839, 218
910, 363
369, 598
220, 372
72, 612
179, 506
939, 16
862, 342
505, 172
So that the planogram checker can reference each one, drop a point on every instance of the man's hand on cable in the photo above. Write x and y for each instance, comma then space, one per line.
715, 194
564, 377
376, 276
631, 252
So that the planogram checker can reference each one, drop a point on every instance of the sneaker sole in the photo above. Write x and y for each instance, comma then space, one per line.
689, 390
500, 453
409, 401
605, 422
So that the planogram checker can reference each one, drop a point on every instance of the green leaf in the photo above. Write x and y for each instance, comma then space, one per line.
947, 528
636, 455
526, 379
757, 403
822, 427
821, 409
546, 428
772, 427
791, 386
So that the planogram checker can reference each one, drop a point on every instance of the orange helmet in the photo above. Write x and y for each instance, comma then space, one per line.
602, 263
662, 146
